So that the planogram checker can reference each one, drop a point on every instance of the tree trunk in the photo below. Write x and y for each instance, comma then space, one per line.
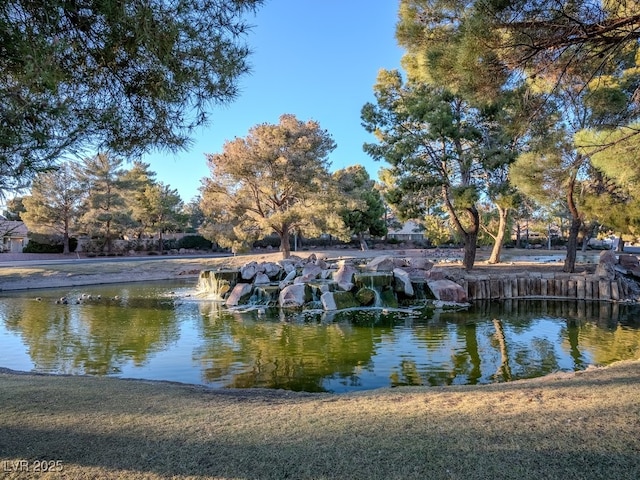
285, 247
574, 229
504, 370
108, 237
363, 243
503, 213
65, 237
160, 245
469, 234
470, 241
572, 246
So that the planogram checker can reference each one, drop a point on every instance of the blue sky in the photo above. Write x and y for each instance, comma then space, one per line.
316, 59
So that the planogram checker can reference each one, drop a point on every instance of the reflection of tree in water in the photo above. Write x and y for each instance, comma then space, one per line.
243, 350
462, 364
96, 337
609, 344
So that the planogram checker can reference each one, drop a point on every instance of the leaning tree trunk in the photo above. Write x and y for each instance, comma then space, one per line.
470, 235
499, 238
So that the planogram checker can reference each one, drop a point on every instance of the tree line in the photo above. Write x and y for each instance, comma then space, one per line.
499, 107
100, 199
502, 104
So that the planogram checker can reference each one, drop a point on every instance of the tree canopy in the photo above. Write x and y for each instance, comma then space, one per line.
123, 76
53, 204
365, 212
274, 180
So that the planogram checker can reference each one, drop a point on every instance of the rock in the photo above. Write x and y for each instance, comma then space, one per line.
607, 264
287, 264
261, 279
293, 295
447, 291
344, 276
420, 263
403, 282
630, 262
272, 270
344, 300
321, 263
366, 296
328, 302
239, 295
249, 270
288, 279
311, 270
384, 263
435, 274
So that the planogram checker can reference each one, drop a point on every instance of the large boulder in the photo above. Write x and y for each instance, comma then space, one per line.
328, 302
239, 295
420, 263
288, 279
344, 276
447, 291
607, 264
366, 296
272, 270
249, 270
261, 279
384, 263
403, 282
338, 300
293, 295
311, 270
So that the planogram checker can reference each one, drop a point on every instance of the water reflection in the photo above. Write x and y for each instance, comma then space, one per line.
95, 337
158, 331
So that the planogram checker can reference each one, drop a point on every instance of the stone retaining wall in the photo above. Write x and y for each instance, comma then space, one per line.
544, 285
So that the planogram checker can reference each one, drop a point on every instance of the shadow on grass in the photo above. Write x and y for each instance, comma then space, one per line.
166, 430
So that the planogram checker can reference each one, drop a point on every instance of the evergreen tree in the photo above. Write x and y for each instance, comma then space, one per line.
367, 213
121, 76
53, 204
104, 209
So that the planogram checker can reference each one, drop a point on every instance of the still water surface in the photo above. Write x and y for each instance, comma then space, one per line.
163, 331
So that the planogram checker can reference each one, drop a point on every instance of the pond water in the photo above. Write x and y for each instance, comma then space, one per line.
162, 331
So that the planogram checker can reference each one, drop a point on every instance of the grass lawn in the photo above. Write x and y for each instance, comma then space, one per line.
568, 426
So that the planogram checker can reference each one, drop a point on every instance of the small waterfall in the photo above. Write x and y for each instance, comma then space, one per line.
376, 288
266, 295
215, 284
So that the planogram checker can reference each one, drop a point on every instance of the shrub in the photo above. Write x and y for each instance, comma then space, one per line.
196, 242
39, 243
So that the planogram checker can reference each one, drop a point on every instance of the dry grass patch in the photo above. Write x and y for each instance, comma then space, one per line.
583, 425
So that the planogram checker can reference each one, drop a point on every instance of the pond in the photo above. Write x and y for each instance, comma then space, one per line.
162, 331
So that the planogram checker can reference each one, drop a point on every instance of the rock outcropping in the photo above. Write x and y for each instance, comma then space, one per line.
318, 282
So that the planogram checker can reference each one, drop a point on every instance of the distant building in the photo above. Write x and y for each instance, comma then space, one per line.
14, 236
409, 231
